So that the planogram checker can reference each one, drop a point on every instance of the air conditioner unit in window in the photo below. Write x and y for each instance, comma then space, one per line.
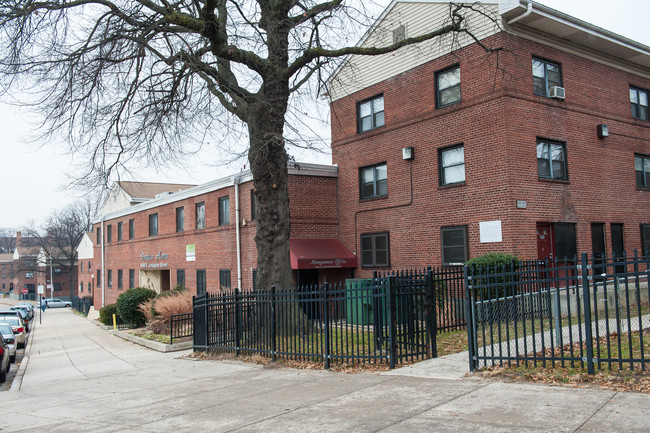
557, 92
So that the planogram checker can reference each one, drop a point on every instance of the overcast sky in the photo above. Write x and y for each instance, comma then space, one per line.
32, 178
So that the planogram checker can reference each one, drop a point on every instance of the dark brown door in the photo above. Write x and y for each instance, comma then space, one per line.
598, 248
618, 247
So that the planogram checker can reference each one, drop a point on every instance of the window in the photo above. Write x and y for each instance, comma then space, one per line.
200, 281
454, 245
642, 168
200, 215
29, 275
99, 235
180, 278
639, 103
645, 240
551, 160
120, 286
253, 205
81, 267
545, 76
88, 286
89, 266
224, 211
109, 278
30, 263
180, 219
99, 277
370, 114
119, 232
452, 165
448, 87
131, 228
224, 279
57, 270
373, 181
375, 250
57, 287
153, 224
131, 278
399, 34
109, 233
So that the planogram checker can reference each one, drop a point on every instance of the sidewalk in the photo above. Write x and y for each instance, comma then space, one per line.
80, 377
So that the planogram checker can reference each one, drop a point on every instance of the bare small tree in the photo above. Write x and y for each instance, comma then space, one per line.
61, 234
7, 240
136, 80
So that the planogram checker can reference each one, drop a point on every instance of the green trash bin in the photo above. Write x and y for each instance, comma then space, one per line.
360, 305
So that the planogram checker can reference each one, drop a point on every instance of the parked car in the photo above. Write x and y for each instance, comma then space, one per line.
18, 327
10, 338
20, 313
57, 303
5, 363
29, 308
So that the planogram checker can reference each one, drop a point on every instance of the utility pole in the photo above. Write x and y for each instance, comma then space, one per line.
51, 280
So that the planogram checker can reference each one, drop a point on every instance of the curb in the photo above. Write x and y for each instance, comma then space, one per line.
153, 345
18, 379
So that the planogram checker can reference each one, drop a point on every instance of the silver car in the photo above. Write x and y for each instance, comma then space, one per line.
10, 339
18, 327
57, 303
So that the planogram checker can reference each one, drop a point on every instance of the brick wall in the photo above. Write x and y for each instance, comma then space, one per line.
498, 121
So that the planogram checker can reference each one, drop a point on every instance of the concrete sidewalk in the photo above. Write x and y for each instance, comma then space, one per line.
81, 378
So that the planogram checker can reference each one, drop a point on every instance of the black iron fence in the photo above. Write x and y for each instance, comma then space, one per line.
82, 305
591, 313
391, 318
180, 326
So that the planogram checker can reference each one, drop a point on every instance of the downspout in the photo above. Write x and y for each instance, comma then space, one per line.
529, 10
235, 181
103, 263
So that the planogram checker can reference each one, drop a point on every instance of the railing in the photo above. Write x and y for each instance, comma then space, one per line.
587, 313
180, 326
82, 305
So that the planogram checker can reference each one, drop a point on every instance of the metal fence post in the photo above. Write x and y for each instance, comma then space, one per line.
432, 317
587, 310
470, 319
238, 321
274, 355
327, 327
392, 319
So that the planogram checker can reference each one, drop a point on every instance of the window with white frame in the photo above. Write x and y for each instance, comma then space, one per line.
224, 211
200, 215
642, 170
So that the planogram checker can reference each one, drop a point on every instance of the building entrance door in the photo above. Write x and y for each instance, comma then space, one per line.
545, 244
618, 247
598, 247
165, 280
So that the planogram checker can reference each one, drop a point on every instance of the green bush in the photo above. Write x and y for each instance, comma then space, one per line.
128, 303
106, 314
485, 271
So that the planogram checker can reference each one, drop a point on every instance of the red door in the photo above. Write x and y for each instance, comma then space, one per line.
545, 241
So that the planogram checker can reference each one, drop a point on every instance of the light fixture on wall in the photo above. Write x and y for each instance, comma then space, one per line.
407, 153
603, 131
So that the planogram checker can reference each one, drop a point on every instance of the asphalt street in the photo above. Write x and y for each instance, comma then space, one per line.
78, 377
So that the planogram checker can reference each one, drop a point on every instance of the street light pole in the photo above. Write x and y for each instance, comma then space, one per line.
51, 280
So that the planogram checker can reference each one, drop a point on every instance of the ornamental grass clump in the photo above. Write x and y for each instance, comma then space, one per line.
160, 309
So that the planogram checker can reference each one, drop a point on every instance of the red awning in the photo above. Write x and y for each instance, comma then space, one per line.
320, 254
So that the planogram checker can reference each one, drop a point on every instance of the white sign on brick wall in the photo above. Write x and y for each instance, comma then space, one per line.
490, 231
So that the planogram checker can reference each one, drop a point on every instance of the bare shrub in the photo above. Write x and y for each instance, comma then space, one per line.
147, 310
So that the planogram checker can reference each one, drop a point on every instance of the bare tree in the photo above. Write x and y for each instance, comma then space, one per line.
7, 240
61, 234
135, 79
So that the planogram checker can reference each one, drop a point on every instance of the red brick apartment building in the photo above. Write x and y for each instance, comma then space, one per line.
202, 237
446, 151
443, 152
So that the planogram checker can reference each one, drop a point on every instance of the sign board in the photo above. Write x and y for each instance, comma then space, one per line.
190, 253
490, 231
41, 289
25, 290
49, 286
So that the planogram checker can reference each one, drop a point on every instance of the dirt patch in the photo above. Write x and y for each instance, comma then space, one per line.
626, 381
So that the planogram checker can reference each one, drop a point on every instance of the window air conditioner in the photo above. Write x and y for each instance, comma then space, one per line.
557, 92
